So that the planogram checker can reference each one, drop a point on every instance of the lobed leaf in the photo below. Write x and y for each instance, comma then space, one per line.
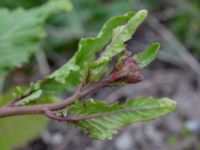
87, 49
102, 120
119, 29
71, 73
147, 56
13, 94
21, 32
120, 35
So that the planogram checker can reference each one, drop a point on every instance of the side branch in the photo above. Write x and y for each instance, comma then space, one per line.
126, 71
6, 111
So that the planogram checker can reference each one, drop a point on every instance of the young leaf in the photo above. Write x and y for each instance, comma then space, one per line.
62, 73
121, 34
102, 120
70, 74
21, 32
75, 69
88, 47
13, 94
147, 56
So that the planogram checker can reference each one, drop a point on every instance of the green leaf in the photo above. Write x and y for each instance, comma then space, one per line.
13, 94
30, 97
21, 32
102, 120
147, 56
20, 3
17, 131
70, 74
62, 73
77, 67
88, 47
121, 34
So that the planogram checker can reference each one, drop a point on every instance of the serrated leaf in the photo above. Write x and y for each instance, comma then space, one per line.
76, 68
88, 47
70, 74
21, 32
30, 97
147, 56
13, 94
62, 73
102, 120
121, 34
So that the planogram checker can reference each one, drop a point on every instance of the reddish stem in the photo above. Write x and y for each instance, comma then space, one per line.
41, 109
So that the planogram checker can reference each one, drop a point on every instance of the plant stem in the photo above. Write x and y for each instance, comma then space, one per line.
6, 111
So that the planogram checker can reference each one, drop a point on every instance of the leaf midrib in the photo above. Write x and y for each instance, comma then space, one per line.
98, 115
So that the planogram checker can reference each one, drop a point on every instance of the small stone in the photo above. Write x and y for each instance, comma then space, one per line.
124, 141
57, 139
193, 125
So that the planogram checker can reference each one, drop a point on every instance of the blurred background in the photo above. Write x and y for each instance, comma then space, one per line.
175, 74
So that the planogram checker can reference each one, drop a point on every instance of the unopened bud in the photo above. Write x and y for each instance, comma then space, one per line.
126, 70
